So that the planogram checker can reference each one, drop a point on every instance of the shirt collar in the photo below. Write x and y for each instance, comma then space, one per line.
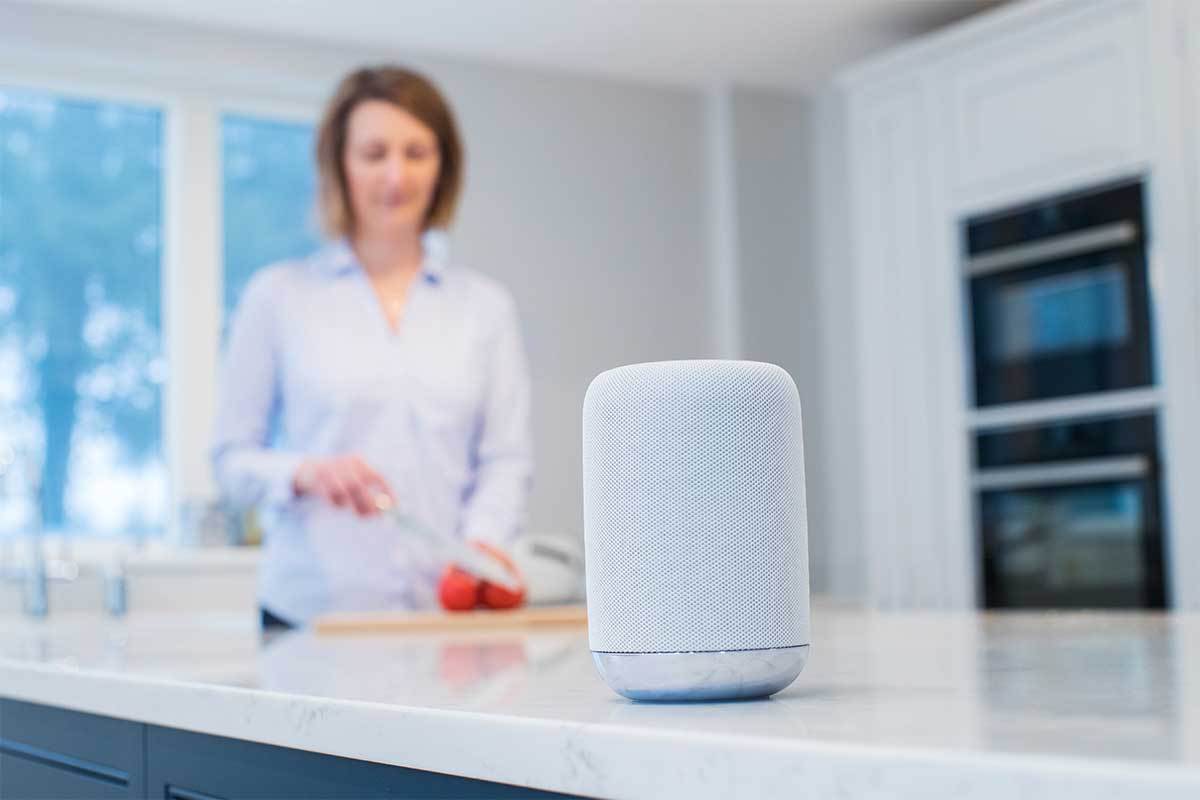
338, 256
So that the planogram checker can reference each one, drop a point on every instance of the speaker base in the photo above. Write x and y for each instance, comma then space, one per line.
695, 676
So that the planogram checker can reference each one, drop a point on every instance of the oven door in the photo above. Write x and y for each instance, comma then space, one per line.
1049, 326
1080, 534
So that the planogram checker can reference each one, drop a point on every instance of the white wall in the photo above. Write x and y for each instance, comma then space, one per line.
585, 197
841, 462
777, 216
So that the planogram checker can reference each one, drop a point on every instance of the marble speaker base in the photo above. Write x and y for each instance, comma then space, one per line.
716, 675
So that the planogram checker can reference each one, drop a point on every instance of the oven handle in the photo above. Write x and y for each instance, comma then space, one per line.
1066, 472
1068, 244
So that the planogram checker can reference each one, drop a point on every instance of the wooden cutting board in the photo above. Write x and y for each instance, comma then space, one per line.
404, 621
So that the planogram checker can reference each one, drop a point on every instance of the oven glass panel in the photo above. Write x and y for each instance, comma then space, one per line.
1059, 314
1061, 328
1081, 545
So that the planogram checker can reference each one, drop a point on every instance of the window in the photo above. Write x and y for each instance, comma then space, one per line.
81, 352
268, 191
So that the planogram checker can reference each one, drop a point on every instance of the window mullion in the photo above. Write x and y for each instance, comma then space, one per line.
192, 298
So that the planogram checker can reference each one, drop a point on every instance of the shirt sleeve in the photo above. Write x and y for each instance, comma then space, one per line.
248, 471
503, 460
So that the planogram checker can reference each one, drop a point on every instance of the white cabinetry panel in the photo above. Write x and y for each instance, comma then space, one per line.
1037, 99
895, 233
1175, 277
1048, 105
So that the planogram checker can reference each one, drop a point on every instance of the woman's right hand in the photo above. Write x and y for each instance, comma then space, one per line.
346, 481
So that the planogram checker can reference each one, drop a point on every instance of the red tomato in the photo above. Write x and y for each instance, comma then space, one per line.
494, 596
458, 590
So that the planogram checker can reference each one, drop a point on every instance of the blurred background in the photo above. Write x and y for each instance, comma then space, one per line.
967, 229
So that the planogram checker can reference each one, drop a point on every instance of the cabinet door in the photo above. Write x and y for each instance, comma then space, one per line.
50, 752
913, 493
190, 766
1050, 103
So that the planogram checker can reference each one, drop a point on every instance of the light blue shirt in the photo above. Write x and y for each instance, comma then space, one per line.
440, 408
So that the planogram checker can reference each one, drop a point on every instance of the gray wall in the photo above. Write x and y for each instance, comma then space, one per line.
776, 173
586, 199
841, 465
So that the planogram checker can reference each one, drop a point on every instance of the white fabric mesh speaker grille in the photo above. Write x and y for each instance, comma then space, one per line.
694, 508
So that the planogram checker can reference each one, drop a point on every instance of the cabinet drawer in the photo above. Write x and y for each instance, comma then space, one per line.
190, 766
54, 752
25, 779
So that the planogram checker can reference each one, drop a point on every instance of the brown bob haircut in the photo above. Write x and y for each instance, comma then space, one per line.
417, 95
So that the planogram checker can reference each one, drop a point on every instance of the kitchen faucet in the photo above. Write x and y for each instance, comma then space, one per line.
38, 570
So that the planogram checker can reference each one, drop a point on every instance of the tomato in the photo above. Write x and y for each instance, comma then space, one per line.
494, 596
458, 590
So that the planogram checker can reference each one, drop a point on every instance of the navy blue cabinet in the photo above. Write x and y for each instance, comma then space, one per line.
48, 752
192, 766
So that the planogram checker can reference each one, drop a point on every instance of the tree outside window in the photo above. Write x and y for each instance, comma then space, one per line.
81, 355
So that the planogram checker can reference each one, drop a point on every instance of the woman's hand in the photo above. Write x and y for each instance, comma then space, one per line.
345, 481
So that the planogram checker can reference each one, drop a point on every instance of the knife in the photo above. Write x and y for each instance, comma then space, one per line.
453, 550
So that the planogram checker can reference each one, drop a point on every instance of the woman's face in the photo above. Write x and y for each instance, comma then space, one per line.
391, 164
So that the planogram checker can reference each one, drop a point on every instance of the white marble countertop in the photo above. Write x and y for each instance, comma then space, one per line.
920, 705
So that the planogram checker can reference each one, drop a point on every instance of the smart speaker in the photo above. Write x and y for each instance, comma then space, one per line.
696, 542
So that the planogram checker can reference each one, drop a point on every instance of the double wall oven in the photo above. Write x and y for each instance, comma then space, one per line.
1068, 496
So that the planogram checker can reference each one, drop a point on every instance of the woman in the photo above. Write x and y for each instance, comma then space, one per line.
390, 376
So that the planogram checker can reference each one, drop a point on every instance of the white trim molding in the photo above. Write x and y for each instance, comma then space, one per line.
722, 223
192, 294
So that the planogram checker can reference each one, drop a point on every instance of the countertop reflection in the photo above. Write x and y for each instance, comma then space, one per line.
1088, 696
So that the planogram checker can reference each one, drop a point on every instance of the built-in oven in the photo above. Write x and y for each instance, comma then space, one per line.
1070, 514
1059, 298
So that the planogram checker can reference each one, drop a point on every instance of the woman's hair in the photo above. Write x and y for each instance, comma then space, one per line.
418, 96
